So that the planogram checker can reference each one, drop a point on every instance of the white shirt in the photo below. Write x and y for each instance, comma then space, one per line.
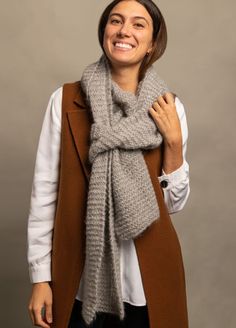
44, 196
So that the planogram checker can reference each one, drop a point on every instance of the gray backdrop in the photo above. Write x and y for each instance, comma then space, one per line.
47, 43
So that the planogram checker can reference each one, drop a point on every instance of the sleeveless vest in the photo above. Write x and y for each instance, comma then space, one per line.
158, 248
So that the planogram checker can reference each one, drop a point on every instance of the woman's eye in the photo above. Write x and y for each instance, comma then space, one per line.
139, 25
116, 21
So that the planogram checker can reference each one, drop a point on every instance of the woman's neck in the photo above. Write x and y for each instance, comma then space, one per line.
126, 78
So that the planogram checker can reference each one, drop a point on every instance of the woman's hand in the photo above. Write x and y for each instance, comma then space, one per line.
41, 298
165, 116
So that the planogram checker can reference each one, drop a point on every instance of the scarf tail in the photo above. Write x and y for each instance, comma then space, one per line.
103, 292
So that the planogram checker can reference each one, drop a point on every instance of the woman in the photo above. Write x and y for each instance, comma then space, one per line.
123, 268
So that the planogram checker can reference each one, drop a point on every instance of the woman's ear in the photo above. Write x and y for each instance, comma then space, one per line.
153, 46
150, 48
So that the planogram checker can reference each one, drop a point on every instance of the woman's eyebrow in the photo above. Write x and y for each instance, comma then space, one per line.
137, 17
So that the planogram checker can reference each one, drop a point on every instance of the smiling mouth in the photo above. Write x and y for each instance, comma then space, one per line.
123, 45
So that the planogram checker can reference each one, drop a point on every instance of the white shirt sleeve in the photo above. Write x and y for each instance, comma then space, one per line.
44, 192
177, 187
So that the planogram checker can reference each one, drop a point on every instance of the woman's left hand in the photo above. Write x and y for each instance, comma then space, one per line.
165, 116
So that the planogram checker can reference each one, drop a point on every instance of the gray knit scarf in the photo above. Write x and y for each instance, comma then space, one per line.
121, 201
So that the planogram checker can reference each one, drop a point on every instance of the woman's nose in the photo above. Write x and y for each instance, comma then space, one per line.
124, 30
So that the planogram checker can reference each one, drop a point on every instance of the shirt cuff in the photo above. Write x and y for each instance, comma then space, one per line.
40, 273
170, 180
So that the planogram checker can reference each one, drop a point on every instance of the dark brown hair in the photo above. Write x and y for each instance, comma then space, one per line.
159, 36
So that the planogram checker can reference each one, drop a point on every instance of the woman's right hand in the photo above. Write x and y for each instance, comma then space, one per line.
41, 298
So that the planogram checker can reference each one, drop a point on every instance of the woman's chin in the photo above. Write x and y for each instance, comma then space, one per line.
123, 60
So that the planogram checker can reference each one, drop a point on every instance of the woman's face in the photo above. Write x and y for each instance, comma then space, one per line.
128, 34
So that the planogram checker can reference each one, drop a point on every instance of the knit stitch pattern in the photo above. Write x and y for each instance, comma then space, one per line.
121, 200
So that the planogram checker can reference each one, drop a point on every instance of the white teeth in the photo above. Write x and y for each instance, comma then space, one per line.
123, 45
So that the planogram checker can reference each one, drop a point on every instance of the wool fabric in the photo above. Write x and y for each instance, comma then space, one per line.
121, 201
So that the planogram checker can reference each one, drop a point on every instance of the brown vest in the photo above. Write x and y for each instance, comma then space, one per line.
158, 248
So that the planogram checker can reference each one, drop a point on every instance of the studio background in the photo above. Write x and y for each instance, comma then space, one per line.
47, 43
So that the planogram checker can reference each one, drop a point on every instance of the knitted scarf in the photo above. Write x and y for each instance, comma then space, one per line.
121, 201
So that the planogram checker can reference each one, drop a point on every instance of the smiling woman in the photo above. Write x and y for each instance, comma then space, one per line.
148, 23
130, 30
110, 169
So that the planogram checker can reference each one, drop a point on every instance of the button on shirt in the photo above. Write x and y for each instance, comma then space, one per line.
175, 187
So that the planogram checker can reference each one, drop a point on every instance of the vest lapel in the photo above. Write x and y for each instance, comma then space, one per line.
80, 120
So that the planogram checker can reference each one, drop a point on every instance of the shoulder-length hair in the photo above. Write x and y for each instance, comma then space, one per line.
159, 37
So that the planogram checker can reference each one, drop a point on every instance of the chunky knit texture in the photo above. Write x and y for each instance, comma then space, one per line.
121, 201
